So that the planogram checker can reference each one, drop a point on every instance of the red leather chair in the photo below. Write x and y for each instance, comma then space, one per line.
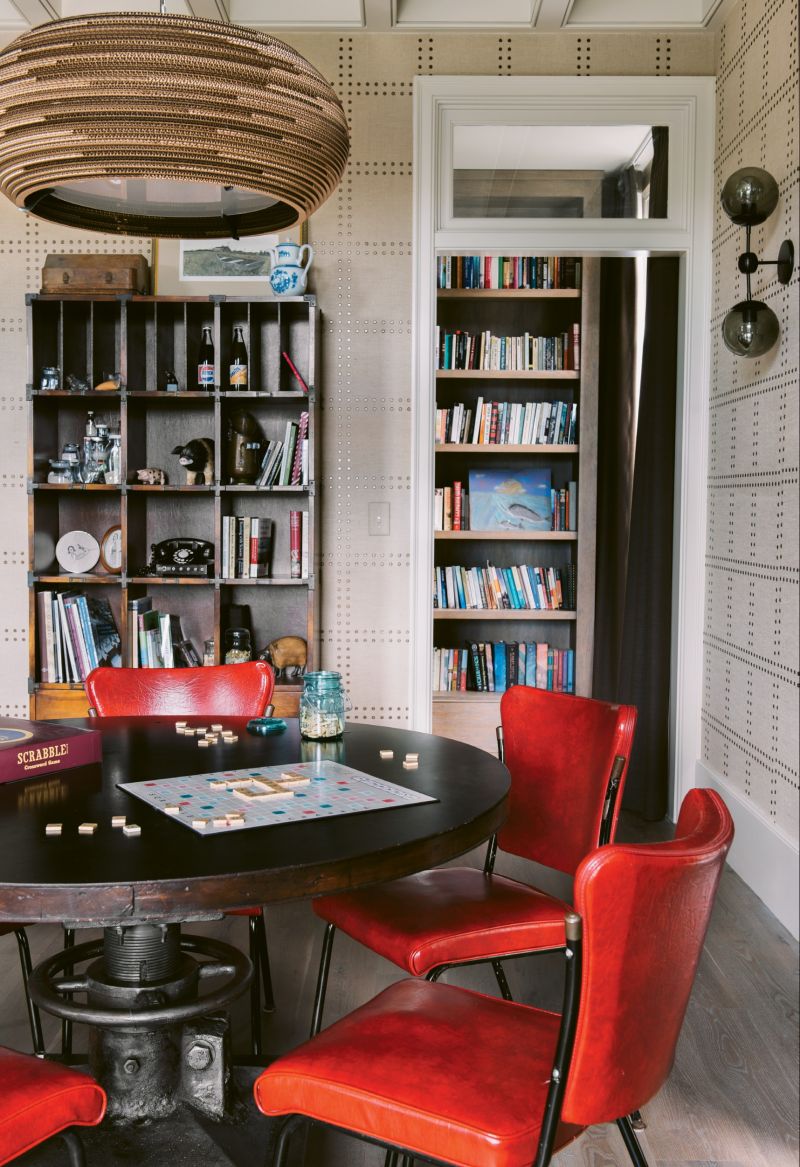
442, 1073
39, 1100
243, 690
568, 758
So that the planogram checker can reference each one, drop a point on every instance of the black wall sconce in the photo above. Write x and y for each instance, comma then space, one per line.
749, 197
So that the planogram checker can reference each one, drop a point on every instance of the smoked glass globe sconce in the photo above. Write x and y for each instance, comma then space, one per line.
749, 197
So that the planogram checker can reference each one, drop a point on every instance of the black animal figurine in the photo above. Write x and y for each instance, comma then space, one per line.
197, 459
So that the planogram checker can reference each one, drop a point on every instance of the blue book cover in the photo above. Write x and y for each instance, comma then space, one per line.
499, 667
530, 666
503, 500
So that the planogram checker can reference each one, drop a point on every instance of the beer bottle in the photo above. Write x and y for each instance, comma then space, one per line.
238, 368
205, 361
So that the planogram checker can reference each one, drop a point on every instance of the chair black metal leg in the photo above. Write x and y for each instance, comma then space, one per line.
322, 979
255, 990
258, 929
391, 1159
66, 1026
637, 1120
638, 1157
278, 1158
74, 1149
35, 1021
500, 976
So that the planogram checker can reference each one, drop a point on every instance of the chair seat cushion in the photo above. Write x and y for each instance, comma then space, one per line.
38, 1099
481, 1069
447, 916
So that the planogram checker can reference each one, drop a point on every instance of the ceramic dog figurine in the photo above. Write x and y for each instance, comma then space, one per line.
197, 459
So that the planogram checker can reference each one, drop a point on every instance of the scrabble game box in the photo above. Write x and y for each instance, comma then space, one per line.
29, 749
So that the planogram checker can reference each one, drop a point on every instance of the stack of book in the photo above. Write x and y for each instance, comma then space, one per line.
508, 271
493, 667
246, 547
451, 508
508, 423
156, 639
285, 462
461, 349
77, 633
492, 588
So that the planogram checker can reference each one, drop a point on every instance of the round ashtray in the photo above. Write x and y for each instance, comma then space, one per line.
77, 552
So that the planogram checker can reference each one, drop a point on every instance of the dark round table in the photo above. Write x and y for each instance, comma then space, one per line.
170, 873
156, 1041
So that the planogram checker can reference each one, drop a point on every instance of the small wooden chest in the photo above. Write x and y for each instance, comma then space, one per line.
95, 274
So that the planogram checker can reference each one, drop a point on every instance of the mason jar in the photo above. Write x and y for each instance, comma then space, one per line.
322, 706
238, 650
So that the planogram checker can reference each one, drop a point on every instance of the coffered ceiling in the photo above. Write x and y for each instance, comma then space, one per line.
414, 16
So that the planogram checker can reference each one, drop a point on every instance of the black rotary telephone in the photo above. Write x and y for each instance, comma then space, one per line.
181, 557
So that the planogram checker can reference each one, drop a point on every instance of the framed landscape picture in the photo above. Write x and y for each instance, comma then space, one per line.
503, 500
207, 267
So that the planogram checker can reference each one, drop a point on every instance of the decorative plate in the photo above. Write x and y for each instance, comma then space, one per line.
111, 551
77, 552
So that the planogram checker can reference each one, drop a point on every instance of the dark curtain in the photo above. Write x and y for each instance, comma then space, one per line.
635, 507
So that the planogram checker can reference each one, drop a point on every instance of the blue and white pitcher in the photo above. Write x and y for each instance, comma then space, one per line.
288, 275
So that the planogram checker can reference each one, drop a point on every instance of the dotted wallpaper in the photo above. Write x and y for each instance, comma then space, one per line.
751, 658
362, 277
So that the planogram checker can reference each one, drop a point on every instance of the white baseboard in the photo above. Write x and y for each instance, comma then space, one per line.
766, 859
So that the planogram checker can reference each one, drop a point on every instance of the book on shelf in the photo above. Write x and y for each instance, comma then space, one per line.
297, 476
510, 501
535, 423
494, 667
270, 464
460, 349
295, 544
508, 271
77, 632
520, 587
246, 547
295, 372
157, 639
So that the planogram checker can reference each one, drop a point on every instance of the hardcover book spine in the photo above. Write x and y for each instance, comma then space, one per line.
295, 544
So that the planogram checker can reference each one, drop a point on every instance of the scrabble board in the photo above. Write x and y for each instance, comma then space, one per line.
316, 790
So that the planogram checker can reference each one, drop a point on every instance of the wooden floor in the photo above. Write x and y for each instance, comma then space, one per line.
732, 1099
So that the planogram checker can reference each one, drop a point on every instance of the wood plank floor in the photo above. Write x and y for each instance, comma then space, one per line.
732, 1098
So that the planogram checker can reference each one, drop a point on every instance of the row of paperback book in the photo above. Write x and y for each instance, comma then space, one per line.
156, 639
452, 511
460, 349
246, 547
495, 666
508, 271
508, 423
77, 633
285, 462
521, 586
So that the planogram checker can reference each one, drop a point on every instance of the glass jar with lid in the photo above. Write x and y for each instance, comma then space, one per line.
322, 706
237, 646
60, 472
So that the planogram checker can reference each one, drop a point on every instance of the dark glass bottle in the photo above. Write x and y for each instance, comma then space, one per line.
238, 367
205, 361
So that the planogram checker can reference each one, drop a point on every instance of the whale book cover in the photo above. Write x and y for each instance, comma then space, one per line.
503, 500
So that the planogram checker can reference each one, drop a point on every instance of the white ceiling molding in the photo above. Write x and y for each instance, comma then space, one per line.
549, 16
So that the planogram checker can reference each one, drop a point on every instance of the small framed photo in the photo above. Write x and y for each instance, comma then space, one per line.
207, 267
111, 551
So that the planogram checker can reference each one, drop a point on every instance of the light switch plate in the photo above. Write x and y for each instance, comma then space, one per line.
378, 518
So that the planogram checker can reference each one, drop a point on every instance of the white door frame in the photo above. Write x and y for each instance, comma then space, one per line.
686, 106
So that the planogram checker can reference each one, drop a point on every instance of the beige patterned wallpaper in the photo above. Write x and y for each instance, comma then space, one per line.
362, 276
750, 699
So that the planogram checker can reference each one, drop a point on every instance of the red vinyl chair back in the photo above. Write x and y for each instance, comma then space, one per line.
560, 751
646, 909
241, 690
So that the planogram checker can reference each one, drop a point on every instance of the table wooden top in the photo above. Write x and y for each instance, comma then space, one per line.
172, 873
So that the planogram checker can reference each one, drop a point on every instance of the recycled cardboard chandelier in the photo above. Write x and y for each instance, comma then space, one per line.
166, 125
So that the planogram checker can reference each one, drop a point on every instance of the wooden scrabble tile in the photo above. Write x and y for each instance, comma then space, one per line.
253, 793
219, 822
230, 739
53, 829
386, 754
202, 742
87, 828
118, 820
131, 829
410, 765
200, 729
188, 731
200, 824
287, 778
217, 726
180, 725
412, 757
220, 783
172, 809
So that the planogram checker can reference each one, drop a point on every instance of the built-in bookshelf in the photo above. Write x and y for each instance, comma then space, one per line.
515, 483
148, 348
